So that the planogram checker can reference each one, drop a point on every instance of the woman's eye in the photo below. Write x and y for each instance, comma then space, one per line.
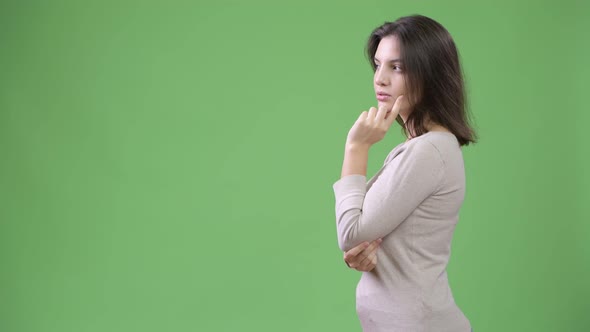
393, 67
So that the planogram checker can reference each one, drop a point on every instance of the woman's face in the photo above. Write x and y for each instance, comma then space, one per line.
389, 74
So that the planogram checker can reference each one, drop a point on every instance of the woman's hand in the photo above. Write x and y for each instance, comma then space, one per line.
363, 257
371, 127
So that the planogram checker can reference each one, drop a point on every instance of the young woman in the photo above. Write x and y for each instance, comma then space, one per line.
397, 228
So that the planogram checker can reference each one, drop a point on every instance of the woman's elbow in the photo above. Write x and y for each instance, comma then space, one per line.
348, 231
346, 241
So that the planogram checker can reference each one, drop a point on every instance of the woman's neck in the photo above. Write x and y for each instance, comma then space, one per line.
430, 126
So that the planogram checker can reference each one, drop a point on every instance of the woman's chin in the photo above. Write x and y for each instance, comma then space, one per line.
384, 103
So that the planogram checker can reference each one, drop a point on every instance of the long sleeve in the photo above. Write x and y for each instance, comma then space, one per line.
405, 182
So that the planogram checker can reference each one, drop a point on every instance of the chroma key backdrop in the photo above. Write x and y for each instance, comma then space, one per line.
168, 165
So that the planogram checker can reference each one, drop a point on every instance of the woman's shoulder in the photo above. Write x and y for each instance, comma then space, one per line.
442, 141
434, 147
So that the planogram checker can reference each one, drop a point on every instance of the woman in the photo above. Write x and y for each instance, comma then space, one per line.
398, 226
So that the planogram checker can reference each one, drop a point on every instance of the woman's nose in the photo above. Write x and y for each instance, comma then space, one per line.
380, 78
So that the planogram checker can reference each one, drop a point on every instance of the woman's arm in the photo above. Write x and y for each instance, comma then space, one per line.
363, 257
355, 161
369, 128
405, 182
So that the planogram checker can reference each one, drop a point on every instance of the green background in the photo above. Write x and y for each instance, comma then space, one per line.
168, 166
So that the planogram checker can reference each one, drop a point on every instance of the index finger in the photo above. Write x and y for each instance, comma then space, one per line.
395, 109
381, 113
356, 250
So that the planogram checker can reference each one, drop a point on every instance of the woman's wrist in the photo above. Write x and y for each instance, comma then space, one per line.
355, 159
357, 147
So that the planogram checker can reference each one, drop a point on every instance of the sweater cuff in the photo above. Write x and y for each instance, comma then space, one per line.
353, 181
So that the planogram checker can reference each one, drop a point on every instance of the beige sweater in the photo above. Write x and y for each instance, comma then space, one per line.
413, 203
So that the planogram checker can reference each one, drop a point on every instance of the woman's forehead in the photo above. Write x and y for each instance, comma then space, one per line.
388, 50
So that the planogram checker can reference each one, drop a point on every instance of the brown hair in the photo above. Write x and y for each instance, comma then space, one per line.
433, 74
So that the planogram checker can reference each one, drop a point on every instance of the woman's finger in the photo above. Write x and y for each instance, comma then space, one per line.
381, 113
372, 114
368, 255
366, 261
355, 251
367, 264
394, 111
373, 246
362, 116
374, 260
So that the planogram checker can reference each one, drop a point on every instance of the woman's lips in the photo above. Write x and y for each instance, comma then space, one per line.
382, 97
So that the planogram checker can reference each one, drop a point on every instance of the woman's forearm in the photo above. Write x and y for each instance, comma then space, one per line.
355, 161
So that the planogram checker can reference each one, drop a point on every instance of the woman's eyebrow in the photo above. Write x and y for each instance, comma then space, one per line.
390, 61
